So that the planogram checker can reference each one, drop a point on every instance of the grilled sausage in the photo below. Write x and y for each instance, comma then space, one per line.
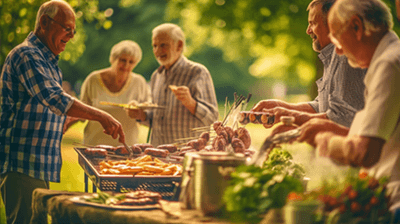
156, 152
106, 147
95, 152
230, 134
136, 149
121, 150
170, 147
205, 135
238, 145
197, 144
144, 146
216, 125
225, 135
219, 143
243, 135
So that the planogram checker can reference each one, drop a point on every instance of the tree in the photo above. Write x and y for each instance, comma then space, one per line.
272, 33
269, 34
18, 19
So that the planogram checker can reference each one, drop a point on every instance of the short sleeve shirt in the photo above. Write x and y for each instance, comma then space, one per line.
381, 116
94, 91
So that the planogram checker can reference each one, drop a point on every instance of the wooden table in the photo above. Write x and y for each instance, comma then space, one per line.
61, 209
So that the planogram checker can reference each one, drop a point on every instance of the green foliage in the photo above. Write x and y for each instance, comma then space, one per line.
255, 190
270, 36
269, 32
282, 161
246, 45
18, 19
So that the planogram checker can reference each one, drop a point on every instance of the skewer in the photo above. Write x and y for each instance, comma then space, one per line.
81, 144
190, 138
183, 139
226, 102
247, 101
201, 128
236, 104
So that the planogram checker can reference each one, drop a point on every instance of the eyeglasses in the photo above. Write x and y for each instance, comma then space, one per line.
338, 34
66, 29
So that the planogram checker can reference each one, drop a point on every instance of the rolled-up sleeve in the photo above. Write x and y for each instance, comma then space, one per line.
204, 94
40, 83
315, 104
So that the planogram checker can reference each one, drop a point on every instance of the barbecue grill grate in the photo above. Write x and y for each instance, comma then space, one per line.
165, 185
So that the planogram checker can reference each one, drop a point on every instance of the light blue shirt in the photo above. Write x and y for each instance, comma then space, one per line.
341, 88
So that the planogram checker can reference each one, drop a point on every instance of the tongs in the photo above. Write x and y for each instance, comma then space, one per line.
260, 156
129, 150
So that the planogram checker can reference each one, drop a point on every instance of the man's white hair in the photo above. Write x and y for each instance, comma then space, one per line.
375, 14
173, 31
50, 8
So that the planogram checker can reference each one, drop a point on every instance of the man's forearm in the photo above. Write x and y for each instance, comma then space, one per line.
303, 107
191, 106
84, 111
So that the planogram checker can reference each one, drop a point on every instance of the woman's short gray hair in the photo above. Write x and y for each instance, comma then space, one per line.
375, 14
128, 47
50, 8
173, 30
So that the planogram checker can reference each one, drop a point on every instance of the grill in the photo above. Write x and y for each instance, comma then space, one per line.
165, 185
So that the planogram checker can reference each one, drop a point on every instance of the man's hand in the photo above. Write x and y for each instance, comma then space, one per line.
182, 93
321, 143
137, 114
310, 129
112, 127
265, 104
299, 117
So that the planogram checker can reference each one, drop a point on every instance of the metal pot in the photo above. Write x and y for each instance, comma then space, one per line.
205, 177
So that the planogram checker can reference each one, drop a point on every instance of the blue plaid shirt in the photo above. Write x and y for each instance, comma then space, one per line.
32, 111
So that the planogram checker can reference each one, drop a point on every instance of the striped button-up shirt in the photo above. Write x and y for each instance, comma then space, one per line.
32, 111
341, 88
176, 121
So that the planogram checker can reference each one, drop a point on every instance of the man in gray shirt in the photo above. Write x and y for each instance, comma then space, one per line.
341, 88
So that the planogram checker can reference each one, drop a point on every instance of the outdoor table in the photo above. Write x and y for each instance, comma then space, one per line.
61, 209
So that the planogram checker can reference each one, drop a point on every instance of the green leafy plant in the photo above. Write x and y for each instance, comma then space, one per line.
255, 190
105, 198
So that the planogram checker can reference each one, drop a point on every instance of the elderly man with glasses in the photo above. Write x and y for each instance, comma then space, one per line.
33, 108
362, 30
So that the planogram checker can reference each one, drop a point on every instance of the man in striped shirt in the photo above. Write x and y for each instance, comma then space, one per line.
185, 88
341, 88
33, 108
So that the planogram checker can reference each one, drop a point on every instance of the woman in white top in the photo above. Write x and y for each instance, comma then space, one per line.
117, 84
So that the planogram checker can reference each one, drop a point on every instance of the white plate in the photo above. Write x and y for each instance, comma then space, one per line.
80, 200
144, 107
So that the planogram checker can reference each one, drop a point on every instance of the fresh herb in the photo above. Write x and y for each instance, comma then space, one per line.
254, 190
105, 198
